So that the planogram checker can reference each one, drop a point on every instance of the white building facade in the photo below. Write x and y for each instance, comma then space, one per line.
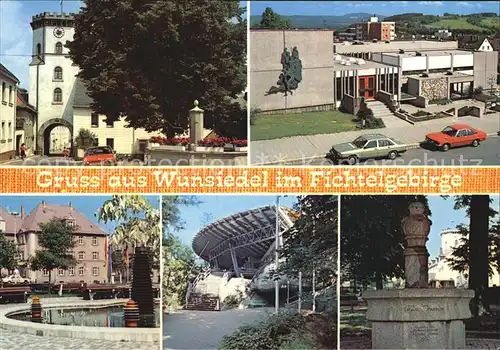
8, 96
440, 273
58, 94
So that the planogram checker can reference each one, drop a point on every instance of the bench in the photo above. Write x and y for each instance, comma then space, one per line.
17, 294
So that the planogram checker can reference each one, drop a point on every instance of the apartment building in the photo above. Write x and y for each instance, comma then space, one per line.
90, 249
8, 83
375, 30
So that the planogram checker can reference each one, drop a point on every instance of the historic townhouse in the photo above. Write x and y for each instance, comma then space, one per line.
8, 136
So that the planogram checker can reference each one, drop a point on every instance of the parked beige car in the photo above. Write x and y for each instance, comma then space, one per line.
16, 279
368, 146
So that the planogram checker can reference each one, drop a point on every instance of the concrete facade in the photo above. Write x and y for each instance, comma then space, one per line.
485, 69
8, 94
352, 72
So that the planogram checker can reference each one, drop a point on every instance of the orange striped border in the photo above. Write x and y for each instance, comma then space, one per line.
150, 180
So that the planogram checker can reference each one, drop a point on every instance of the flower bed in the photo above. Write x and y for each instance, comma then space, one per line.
240, 145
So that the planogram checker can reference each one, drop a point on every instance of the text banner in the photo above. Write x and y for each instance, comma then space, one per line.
250, 180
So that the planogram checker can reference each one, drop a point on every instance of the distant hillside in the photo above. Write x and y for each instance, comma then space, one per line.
314, 22
422, 23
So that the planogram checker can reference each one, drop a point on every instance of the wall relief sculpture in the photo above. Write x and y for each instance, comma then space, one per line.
291, 74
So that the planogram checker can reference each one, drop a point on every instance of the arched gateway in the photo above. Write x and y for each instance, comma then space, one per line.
44, 133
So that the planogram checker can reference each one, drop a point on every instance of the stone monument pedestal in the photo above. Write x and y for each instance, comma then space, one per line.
416, 318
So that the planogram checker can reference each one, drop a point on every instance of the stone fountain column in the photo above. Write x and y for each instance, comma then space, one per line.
418, 317
142, 287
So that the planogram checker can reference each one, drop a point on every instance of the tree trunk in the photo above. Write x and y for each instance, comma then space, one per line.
479, 242
378, 281
50, 288
478, 245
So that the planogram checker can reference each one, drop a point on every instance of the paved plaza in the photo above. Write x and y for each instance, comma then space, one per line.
18, 341
205, 329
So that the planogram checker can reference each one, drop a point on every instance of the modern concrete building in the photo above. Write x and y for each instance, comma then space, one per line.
8, 134
394, 73
440, 273
90, 249
241, 252
60, 99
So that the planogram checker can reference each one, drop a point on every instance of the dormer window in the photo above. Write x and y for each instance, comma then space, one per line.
71, 223
59, 49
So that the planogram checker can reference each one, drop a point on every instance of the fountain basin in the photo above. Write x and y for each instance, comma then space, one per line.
70, 331
418, 318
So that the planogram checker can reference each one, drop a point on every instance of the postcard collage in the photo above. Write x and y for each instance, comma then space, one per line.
205, 174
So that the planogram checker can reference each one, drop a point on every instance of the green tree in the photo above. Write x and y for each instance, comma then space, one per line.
147, 61
179, 260
85, 139
372, 240
311, 244
478, 245
8, 252
56, 239
138, 223
271, 19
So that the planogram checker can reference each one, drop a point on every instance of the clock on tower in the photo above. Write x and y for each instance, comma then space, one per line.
58, 32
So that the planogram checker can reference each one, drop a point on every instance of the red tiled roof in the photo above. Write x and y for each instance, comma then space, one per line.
12, 223
8, 73
46, 212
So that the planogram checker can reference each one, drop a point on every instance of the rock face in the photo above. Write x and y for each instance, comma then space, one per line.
434, 89
416, 228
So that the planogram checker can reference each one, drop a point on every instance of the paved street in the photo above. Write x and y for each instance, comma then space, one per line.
291, 149
488, 153
205, 329
58, 161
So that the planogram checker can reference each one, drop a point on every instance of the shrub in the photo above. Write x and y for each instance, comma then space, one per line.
85, 139
253, 115
286, 330
240, 143
421, 113
374, 123
440, 101
215, 142
478, 90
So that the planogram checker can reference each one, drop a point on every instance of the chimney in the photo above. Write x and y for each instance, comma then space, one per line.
70, 206
22, 212
43, 204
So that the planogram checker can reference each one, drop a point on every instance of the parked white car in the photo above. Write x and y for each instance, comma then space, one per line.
15, 279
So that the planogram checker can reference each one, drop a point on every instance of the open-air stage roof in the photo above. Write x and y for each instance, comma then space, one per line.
249, 233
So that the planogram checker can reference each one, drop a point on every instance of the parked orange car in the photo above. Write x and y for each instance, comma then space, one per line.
103, 155
456, 135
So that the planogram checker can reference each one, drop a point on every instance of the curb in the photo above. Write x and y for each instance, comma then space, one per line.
410, 146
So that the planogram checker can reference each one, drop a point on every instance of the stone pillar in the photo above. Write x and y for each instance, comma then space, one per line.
452, 56
400, 75
335, 88
142, 287
235, 263
416, 228
427, 63
196, 123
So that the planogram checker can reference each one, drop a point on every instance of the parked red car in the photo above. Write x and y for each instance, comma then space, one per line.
103, 155
456, 135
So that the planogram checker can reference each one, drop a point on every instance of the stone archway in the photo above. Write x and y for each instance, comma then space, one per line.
43, 135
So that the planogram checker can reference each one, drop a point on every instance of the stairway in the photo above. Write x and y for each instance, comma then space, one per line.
380, 110
202, 302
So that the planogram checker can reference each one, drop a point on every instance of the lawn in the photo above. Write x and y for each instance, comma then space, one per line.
491, 22
276, 126
454, 24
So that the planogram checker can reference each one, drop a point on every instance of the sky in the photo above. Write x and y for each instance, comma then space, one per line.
443, 217
214, 208
218, 207
86, 205
338, 8
16, 34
